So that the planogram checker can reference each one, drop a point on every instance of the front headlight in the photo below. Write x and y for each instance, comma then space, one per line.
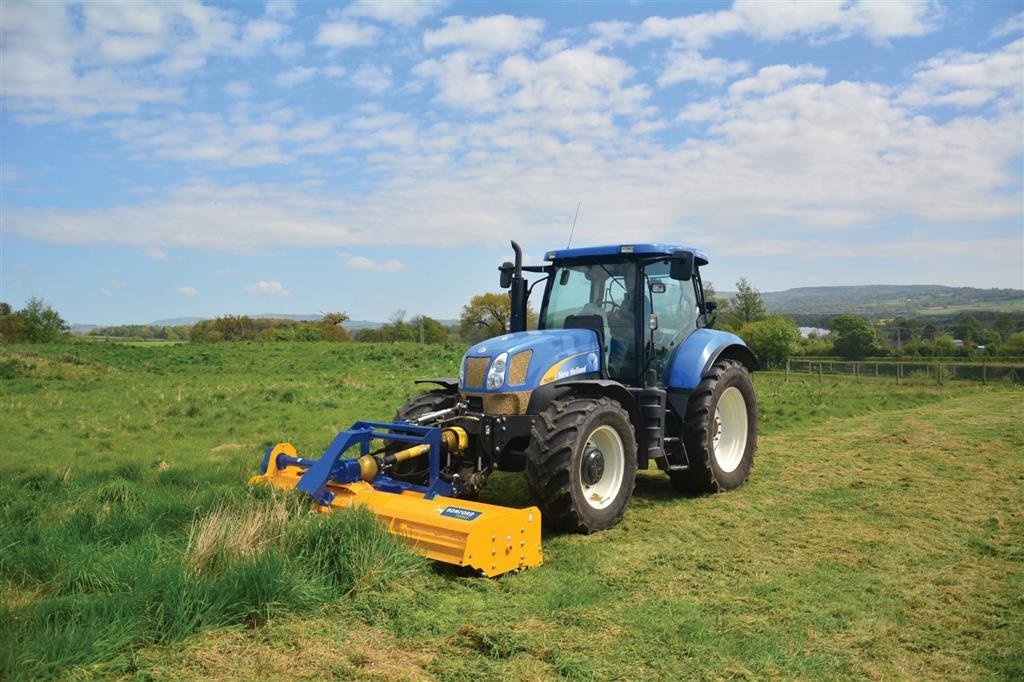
496, 374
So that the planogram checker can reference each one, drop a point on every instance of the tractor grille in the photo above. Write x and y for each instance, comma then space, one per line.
475, 370
518, 366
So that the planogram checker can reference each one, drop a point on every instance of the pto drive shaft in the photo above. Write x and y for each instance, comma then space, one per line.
454, 440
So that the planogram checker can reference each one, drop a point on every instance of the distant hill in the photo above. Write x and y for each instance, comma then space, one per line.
890, 300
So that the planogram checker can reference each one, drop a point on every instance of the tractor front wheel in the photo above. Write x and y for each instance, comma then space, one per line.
416, 471
720, 431
581, 464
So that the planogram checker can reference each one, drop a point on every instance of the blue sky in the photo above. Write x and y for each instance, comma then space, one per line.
194, 159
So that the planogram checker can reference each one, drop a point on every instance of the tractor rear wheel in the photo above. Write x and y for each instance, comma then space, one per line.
720, 431
417, 470
581, 464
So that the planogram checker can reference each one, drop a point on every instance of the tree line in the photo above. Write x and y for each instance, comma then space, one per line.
773, 337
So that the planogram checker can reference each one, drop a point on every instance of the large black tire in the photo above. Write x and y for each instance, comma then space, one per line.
416, 471
720, 431
581, 464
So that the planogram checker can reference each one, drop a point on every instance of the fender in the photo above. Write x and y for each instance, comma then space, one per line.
701, 349
451, 385
543, 396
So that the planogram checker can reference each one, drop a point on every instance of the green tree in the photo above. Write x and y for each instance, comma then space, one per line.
722, 313
487, 315
39, 323
855, 337
10, 324
747, 305
1014, 345
333, 331
428, 330
773, 339
942, 345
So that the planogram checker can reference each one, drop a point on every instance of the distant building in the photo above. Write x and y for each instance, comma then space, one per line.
808, 332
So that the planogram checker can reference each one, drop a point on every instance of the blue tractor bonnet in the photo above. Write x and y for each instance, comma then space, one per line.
555, 354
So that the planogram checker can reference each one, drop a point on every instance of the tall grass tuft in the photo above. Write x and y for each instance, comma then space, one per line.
109, 581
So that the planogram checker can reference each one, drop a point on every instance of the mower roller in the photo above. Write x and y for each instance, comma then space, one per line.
623, 372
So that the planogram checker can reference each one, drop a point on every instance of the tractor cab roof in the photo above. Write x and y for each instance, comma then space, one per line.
623, 250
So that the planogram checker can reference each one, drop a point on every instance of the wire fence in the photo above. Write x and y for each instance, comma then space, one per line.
937, 372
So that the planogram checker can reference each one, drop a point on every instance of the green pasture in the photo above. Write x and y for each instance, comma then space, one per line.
881, 535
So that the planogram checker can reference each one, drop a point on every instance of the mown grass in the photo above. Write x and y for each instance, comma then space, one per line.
880, 535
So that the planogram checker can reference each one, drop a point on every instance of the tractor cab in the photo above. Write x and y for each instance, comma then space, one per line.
642, 301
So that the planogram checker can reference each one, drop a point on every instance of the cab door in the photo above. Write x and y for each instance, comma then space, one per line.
674, 303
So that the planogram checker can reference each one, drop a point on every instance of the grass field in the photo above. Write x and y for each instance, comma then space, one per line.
881, 535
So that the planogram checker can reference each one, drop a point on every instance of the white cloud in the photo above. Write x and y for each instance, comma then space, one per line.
968, 79
1014, 24
498, 33
771, 79
691, 66
191, 291
786, 19
260, 32
334, 71
60, 61
339, 35
799, 154
373, 78
459, 82
295, 76
239, 89
250, 136
695, 30
578, 88
156, 254
274, 289
399, 13
364, 263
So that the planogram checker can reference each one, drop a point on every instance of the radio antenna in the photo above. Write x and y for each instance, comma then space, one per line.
573, 229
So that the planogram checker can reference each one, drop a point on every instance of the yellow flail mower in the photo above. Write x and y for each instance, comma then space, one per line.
483, 537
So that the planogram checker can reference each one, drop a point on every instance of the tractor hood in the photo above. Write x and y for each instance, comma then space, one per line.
525, 360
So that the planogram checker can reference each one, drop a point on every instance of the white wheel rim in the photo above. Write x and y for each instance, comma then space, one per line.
604, 491
729, 429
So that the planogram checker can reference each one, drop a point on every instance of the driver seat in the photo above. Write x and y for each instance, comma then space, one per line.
592, 316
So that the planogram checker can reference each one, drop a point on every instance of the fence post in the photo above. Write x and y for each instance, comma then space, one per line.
938, 373
984, 375
856, 371
787, 369
899, 371
876, 369
820, 363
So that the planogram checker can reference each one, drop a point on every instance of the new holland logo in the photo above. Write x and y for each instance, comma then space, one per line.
460, 513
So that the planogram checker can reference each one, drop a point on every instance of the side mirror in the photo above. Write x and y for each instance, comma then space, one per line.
710, 306
681, 267
505, 281
563, 279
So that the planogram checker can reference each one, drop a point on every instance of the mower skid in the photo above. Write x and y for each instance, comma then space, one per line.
484, 537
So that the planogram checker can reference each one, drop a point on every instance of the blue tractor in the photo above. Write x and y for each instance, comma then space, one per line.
622, 370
